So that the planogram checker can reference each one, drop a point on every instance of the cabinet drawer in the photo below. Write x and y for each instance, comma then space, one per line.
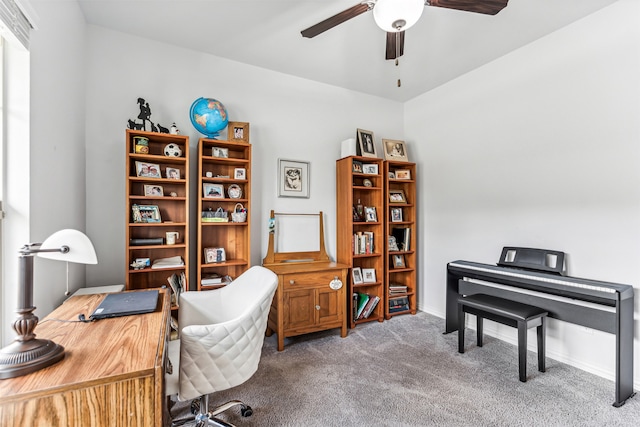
313, 279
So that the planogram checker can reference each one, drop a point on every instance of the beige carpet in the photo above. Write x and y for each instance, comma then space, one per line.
405, 372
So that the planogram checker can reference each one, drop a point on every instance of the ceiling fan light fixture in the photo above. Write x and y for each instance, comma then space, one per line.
397, 15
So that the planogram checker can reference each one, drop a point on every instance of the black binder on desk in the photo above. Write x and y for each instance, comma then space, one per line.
126, 304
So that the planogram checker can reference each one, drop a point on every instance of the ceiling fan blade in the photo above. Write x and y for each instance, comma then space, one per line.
337, 19
488, 7
392, 43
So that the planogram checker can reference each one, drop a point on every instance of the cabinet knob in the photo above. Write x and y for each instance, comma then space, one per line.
317, 307
291, 282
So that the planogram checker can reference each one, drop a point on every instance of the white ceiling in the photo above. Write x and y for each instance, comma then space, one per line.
443, 45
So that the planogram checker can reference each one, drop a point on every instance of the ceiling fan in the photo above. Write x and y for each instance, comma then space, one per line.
396, 16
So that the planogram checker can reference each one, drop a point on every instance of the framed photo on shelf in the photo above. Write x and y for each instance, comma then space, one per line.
398, 261
220, 152
370, 169
394, 150
356, 274
213, 191
153, 190
149, 170
239, 173
370, 214
392, 175
393, 244
172, 173
397, 196
357, 166
293, 178
238, 131
396, 214
369, 275
145, 213
403, 174
214, 255
366, 146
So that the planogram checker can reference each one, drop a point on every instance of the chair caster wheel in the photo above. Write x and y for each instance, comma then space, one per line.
246, 411
195, 407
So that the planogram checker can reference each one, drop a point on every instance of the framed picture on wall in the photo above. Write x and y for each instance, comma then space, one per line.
293, 178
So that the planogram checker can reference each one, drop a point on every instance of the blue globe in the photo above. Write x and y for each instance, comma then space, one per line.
208, 116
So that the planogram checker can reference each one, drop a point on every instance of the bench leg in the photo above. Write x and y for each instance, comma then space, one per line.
542, 333
479, 329
522, 351
461, 326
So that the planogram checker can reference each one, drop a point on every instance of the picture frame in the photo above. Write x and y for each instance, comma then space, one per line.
396, 214
146, 213
153, 190
148, 170
238, 131
369, 275
212, 255
220, 152
392, 243
356, 166
391, 175
370, 168
293, 178
212, 191
240, 173
397, 196
395, 150
172, 173
366, 144
398, 261
370, 214
403, 174
356, 275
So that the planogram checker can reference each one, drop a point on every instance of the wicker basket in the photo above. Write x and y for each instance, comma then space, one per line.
239, 213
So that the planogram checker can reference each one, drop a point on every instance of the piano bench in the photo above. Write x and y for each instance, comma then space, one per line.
507, 312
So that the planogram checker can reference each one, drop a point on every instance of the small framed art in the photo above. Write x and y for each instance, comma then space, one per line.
356, 275
221, 152
238, 131
403, 174
212, 191
214, 255
239, 173
370, 168
149, 170
397, 196
396, 214
153, 190
293, 178
370, 214
366, 145
394, 150
369, 275
398, 261
145, 213
357, 166
173, 173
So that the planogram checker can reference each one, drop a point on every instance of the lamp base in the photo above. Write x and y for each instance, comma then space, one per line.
23, 357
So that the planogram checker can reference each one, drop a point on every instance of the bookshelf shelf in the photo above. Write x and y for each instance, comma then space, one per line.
350, 192
400, 222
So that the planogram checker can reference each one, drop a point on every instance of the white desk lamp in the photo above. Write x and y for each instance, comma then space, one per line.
27, 354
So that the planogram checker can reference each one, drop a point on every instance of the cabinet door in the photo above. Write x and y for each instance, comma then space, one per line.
299, 308
330, 304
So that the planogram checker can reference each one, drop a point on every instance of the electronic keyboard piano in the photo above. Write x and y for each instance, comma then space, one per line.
598, 305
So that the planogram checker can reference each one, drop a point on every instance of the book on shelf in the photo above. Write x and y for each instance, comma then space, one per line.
398, 304
399, 308
363, 243
395, 288
170, 262
362, 302
177, 283
403, 237
215, 281
371, 305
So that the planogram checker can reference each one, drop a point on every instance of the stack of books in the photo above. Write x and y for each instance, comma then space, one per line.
398, 304
363, 305
214, 280
396, 288
170, 262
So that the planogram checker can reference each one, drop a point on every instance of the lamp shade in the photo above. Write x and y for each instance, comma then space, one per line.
73, 245
397, 15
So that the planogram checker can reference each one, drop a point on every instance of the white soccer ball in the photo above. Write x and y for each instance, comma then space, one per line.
172, 150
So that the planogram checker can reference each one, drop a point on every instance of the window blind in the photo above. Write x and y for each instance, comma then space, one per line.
13, 20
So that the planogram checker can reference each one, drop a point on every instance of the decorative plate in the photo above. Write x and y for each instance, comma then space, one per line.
235, 192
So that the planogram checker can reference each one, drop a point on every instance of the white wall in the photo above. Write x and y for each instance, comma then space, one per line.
50, 161
540, 148
289, 118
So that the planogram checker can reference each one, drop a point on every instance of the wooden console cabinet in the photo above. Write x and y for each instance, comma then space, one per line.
112, 373
311, 290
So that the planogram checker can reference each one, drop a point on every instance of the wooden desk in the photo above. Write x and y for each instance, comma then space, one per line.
112, 373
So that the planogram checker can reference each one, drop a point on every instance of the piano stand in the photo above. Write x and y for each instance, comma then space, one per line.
510, 313
594, 304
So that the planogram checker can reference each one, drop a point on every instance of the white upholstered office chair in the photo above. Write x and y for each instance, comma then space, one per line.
221, 337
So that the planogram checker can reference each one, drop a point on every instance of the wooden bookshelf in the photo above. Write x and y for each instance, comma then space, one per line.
222, 186
400, 221
149, 186
353, 185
